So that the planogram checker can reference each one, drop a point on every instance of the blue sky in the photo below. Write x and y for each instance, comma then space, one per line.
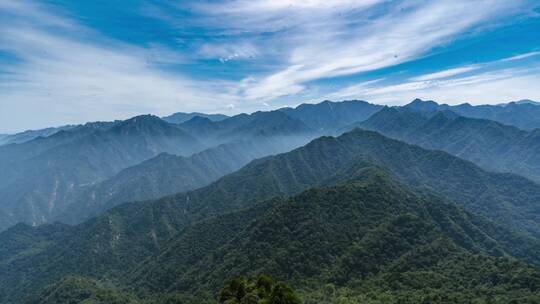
64, 61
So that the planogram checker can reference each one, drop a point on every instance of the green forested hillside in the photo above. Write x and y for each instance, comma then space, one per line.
340, 234
370, 240
75, 289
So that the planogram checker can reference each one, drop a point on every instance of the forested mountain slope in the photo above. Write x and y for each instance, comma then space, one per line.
372, 238
373, 233
121, 238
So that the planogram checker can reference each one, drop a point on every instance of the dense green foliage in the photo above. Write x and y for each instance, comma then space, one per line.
365, 242
263, 290
239, 290
352, 235
22, 240
75, 290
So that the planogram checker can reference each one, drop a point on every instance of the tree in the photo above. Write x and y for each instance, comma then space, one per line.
264, 290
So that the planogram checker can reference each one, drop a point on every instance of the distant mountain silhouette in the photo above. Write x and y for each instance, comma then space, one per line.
36, 183
490, 144
327, 117
25, 136
524, 115
181, 117
167, 174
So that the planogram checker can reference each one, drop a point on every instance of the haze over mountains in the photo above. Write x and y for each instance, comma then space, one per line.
522, 114
42, 177
423, 202
488, 143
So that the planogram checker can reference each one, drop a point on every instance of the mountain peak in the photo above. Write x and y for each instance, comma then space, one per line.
418, 101
521, 102
199, 120
386, 111
181, 117
142, 119
137, 123
274, 122
528, 101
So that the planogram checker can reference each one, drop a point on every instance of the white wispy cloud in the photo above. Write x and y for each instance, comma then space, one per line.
521, 56
276, 5
487, 87
69, 80
228, 51
404, 33
445, 73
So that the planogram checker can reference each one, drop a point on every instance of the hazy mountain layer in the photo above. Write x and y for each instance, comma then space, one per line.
180, 117
487, 143
243, 127
167, 174
74, 174
524, 115
25, 136
327, 117
36, 183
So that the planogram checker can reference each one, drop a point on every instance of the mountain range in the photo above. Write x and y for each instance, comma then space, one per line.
107, 166
348, 202
74, 174
123, 242
35, 184
327, 117
522, 114
105, 176
181, 117
30, 134
167, 174
490, 144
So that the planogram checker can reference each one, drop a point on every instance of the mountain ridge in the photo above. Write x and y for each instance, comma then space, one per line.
180, 117
525, 116
488, 143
